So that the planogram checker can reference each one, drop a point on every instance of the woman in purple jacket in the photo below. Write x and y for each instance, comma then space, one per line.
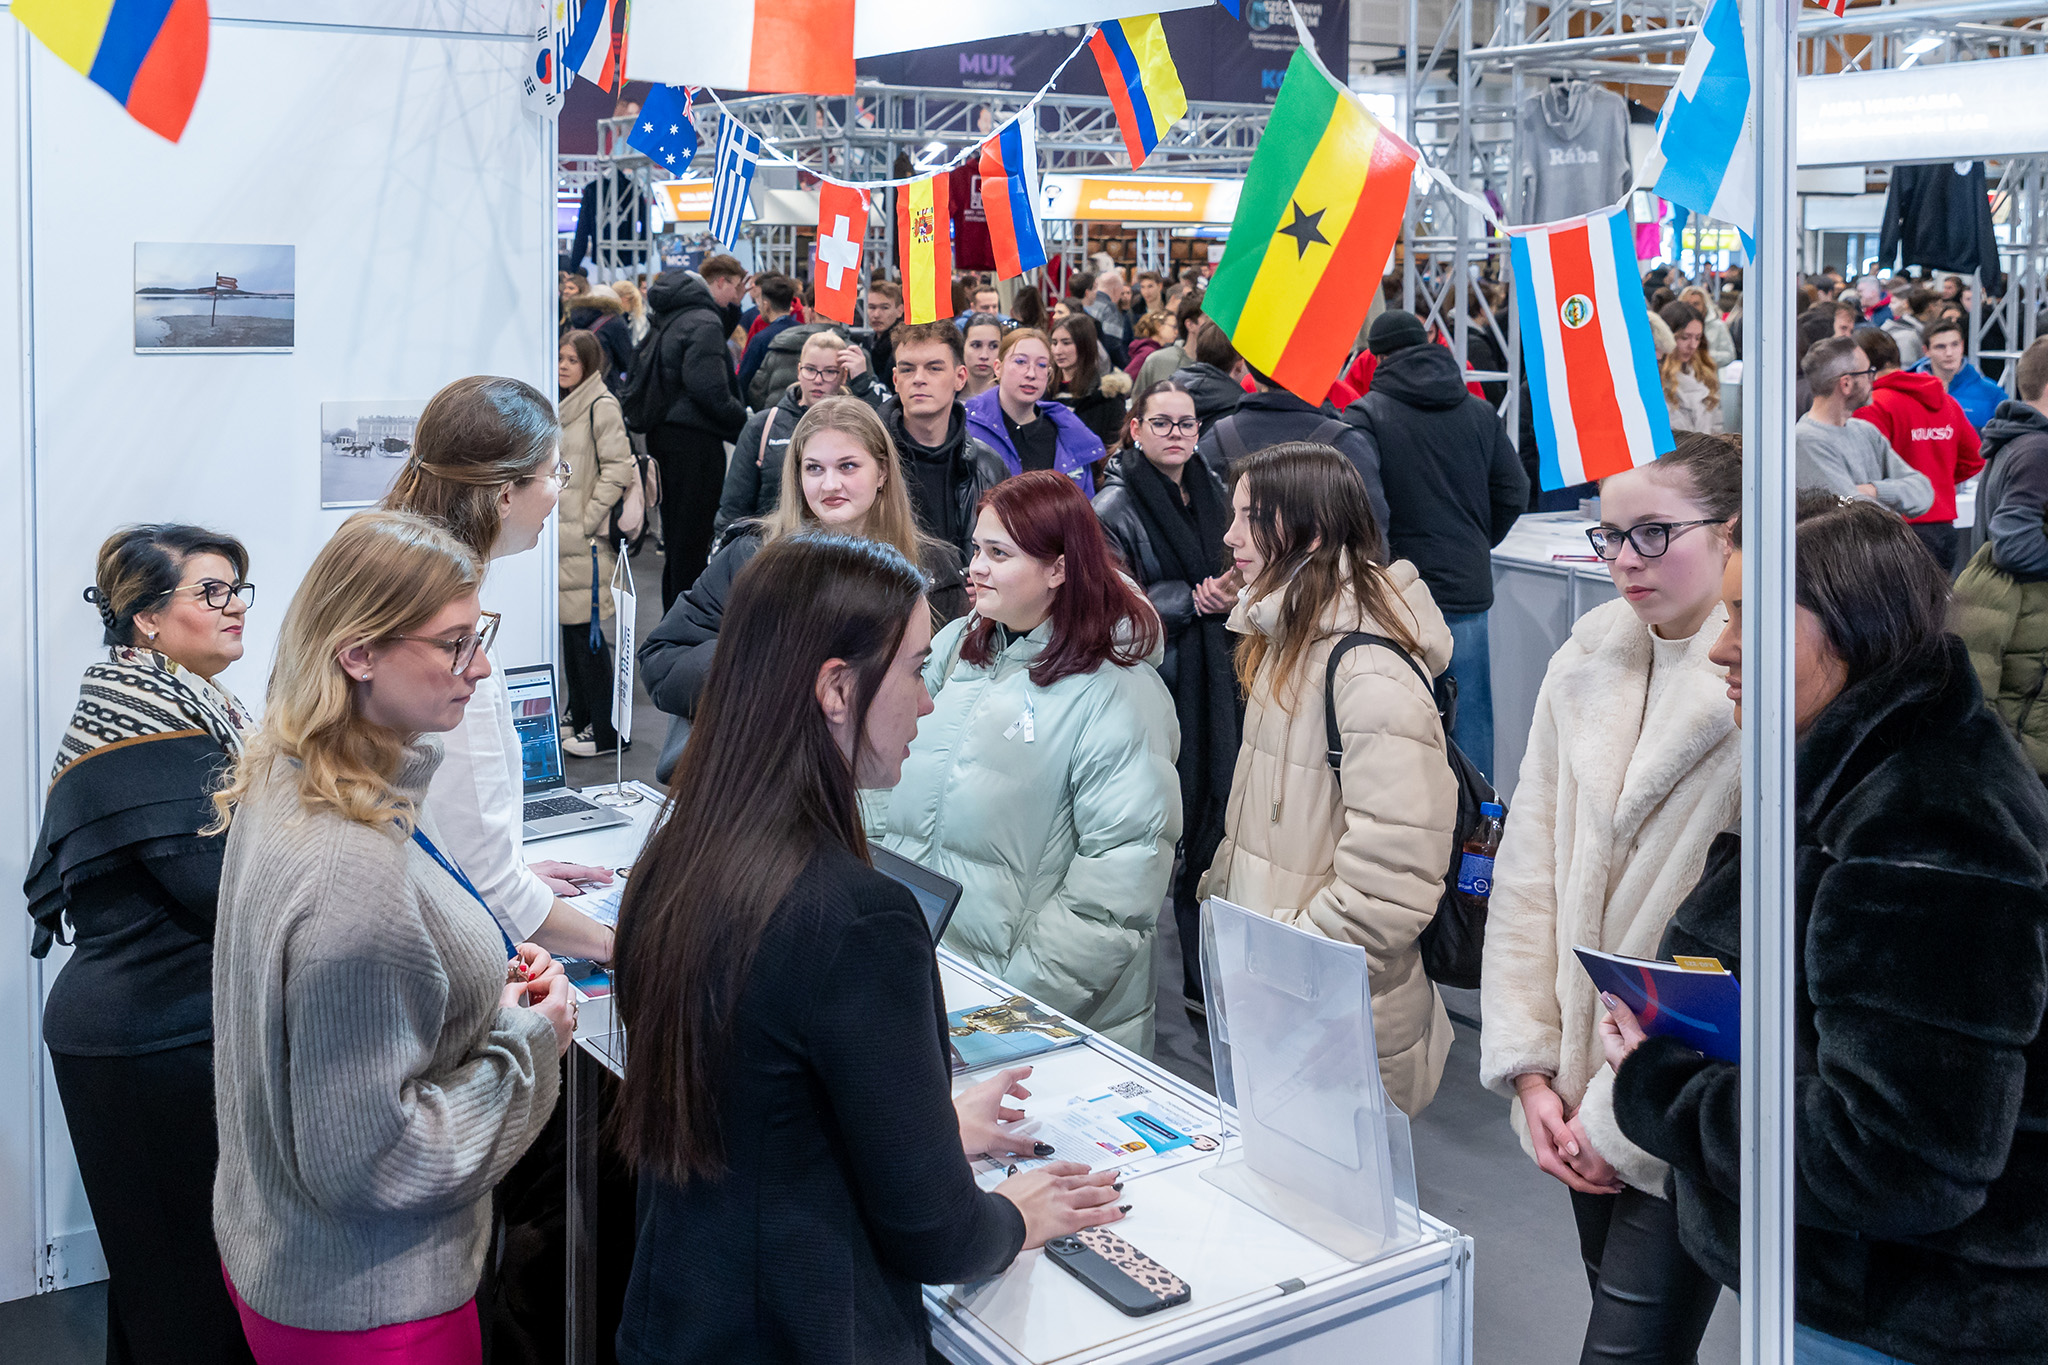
1030, 430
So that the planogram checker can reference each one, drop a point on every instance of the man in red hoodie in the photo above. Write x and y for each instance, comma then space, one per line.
1929, 431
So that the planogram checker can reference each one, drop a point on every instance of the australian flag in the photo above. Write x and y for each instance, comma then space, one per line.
664, 133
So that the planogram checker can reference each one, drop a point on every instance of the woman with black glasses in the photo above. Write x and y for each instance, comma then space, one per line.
1165, 512
129, 1022
1632, 769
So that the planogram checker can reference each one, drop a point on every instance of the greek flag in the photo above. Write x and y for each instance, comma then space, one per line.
738, 151
1705, 157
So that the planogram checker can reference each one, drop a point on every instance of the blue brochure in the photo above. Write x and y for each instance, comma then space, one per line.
1702, 1009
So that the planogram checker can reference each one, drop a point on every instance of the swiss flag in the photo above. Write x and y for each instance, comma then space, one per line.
842, 227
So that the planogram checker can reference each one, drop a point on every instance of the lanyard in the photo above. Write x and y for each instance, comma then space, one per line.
419, 837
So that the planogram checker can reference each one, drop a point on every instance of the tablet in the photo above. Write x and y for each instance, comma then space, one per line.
937, 896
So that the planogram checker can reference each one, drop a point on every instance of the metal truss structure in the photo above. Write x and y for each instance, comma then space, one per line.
1465, 83
885, 131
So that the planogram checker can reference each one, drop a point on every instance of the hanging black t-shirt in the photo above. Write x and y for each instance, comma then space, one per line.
1037, 442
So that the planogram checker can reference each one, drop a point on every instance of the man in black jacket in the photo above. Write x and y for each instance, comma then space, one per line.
685, 399
1271, 415
1213, 377
1454, 489
947, 469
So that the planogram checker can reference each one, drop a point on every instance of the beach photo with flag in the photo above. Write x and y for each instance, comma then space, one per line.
1315, 226
1594, 391
211, 297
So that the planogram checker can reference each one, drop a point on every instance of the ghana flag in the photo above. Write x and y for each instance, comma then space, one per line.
1321, 208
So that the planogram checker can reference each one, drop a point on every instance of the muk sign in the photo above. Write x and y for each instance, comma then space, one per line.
987, 64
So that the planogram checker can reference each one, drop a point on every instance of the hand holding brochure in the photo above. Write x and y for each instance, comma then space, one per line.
1700, 1008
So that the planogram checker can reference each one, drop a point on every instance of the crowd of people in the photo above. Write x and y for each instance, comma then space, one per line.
1053, 599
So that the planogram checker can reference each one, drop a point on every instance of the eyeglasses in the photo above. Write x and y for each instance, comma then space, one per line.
817, 374
215, 593
1651, 539
462, 647
1168, 426
560, 474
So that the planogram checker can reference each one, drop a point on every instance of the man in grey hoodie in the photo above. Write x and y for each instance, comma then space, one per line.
1847, 455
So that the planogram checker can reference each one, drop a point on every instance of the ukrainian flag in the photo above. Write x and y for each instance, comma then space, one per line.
1143, 86
150, 55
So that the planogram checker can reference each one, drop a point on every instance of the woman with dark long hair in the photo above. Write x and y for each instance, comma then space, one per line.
788, 1100
1044, 782
1356, 854
1094, 390
1920, 1116
1165, 513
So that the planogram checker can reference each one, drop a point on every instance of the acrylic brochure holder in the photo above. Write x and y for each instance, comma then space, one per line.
1323, 1149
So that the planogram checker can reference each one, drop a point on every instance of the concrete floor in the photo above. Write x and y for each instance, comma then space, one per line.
1531, 1297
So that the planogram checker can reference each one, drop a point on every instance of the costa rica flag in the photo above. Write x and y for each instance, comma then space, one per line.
1594, 391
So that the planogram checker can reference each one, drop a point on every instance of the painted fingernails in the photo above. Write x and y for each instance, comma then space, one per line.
1118, 1187
1123, 1208
1041, 1149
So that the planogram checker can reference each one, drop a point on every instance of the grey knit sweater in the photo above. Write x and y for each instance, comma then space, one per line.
370, 1089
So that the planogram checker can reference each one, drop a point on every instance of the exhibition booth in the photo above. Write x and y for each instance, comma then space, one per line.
367, 178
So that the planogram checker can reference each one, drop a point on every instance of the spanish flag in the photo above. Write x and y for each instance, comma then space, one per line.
150, 55
924, 248
1321, 207
1144, 86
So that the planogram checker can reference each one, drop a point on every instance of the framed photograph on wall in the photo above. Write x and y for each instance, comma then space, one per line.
200, 298
363, 445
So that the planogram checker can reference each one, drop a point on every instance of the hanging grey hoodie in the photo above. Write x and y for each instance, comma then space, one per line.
1572, 142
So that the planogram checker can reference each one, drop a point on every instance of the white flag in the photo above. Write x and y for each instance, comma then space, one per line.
625, 607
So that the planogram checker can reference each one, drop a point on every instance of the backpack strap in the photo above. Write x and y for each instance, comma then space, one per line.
1334, 747
1328, 430
767, 427
1234, 448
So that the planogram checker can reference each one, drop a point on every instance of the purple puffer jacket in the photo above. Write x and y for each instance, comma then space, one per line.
1076, 450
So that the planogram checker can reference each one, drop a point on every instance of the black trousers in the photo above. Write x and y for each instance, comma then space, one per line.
1941, 540
588, 689
143, 1130
692, 476
1651, 1302
1187, 921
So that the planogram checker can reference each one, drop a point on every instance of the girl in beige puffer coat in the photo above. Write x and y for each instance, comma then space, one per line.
1357, 855
600, 460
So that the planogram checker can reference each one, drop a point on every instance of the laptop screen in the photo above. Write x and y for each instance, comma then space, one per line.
533, 716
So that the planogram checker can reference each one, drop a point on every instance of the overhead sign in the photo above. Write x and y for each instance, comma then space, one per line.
689, 201
1953, 111
1147, 199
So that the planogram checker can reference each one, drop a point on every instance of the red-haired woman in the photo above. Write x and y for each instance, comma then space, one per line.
1044, 780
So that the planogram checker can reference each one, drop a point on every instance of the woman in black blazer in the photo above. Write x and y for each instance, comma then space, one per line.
787, 1103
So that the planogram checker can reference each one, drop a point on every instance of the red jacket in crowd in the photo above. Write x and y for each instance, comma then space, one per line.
1928, 430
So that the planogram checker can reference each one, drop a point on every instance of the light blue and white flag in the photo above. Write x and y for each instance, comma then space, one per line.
738, 152
1705, 157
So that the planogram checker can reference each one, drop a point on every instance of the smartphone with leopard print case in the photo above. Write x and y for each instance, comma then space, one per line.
1133, 1282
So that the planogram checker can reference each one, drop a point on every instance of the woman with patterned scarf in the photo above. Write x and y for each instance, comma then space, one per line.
129, 1022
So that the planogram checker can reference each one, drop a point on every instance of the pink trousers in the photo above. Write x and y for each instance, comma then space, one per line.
452, 1338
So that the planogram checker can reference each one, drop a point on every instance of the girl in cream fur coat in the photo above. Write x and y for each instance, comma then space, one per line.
1632, 768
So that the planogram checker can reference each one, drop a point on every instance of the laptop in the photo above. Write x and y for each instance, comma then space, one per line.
552, 807
937, 896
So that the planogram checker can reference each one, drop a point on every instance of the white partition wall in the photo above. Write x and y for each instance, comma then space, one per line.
386, 142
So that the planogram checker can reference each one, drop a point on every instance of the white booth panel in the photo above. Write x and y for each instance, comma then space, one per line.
418, 194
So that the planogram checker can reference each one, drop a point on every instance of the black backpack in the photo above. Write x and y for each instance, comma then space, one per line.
1455, 940
644, 399
1227, 435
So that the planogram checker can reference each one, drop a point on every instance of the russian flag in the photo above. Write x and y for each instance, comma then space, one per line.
1144, 87
1009, 196
592, 43
774, 46
1596, 398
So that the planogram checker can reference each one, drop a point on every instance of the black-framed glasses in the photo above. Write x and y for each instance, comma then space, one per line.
217, 594
1171, 426
1650, 539
463, 648
818, 374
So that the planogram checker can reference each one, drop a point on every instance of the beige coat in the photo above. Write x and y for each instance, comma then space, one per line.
600, 459
1613, 814
1361, 860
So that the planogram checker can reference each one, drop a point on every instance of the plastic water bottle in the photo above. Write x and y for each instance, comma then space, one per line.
1475, 869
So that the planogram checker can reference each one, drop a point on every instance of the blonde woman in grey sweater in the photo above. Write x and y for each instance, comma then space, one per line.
384, 1055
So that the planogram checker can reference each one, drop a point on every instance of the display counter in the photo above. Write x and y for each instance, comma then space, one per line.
1260, 1289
